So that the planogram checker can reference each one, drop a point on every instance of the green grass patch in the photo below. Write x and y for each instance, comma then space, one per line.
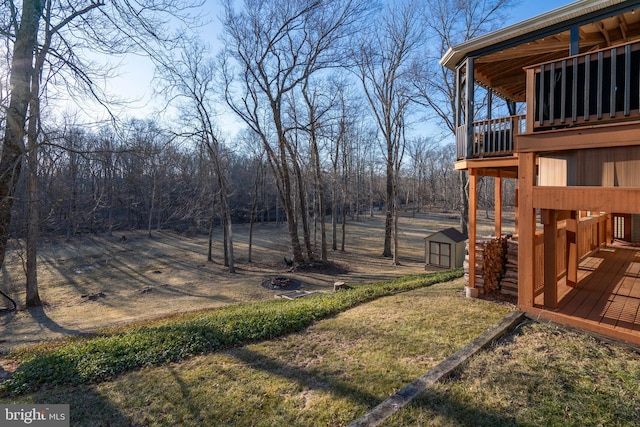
101, 358
337, 369
327, 374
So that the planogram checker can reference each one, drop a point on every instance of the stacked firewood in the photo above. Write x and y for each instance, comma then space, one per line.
479, 256
493, 263
509, 282
493, 255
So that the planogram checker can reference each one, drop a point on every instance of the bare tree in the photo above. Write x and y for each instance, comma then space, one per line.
271, 49
258, 166
190, 78
385, 75
46, 34
452, 22
318, 106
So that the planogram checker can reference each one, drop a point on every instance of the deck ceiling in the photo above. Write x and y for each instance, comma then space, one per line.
503, 71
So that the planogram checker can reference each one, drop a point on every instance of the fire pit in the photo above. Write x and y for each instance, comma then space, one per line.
281, 283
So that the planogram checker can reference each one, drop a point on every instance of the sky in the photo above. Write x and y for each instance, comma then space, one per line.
135, 81
530, 8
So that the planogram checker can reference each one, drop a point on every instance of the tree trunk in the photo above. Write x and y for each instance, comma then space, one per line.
395, 230
152, 205
388, 221
319, 184
225, 227
16, 114
464, 198
323, 216
229, 237
287, 197
344, 224
334, 219
371, 191
33, 221
254, 205
210, 251
304, 214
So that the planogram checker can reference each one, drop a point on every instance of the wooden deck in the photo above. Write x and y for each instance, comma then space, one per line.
607, 298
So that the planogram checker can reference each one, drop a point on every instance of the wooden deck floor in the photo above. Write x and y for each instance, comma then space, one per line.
607, 298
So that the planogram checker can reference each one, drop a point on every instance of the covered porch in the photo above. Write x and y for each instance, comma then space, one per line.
592, 281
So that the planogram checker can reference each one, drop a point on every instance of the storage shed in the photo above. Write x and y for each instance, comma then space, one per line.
445, 249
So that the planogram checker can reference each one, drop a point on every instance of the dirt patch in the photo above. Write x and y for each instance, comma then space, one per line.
323, 267
94, 281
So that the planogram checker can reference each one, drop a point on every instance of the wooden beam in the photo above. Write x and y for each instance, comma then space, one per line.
516, 214
469, 108
504, 164
604, 32
473, 209
622, 24
597, 199
526, 229
599, 136
550, 254
498, 206
571, 256
580, 323
531, 94
559, 215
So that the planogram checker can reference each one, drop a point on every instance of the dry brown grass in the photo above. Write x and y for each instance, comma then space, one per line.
328, 374
91, 281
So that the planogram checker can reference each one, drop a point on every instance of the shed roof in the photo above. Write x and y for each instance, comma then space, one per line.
502, 54
451, 233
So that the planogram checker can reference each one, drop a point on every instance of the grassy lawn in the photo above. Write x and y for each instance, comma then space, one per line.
330, 373
540, 375
336, 369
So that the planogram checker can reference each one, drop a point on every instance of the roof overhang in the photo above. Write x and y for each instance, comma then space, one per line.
501, 56
533, 26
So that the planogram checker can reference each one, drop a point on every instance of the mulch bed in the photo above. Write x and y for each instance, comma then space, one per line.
281, 283
322, 267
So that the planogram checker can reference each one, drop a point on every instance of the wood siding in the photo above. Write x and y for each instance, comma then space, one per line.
597, 167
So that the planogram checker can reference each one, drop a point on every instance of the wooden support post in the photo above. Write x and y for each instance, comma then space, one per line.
469, 108
531, 94
498, 206
516, 215
473, 209
526, 229
550, 221
572, 250
609, 233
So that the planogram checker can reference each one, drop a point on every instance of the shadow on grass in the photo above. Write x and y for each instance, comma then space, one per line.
432, 404
187, 398
304, 377
45, 321
88, 407
427, 406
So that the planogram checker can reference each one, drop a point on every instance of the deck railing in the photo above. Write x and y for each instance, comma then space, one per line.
602, 85
491, 138
591, 236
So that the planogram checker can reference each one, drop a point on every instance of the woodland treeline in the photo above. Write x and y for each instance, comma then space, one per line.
142, 177
342, 105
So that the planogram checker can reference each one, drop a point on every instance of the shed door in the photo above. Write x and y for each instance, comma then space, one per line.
440, 254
